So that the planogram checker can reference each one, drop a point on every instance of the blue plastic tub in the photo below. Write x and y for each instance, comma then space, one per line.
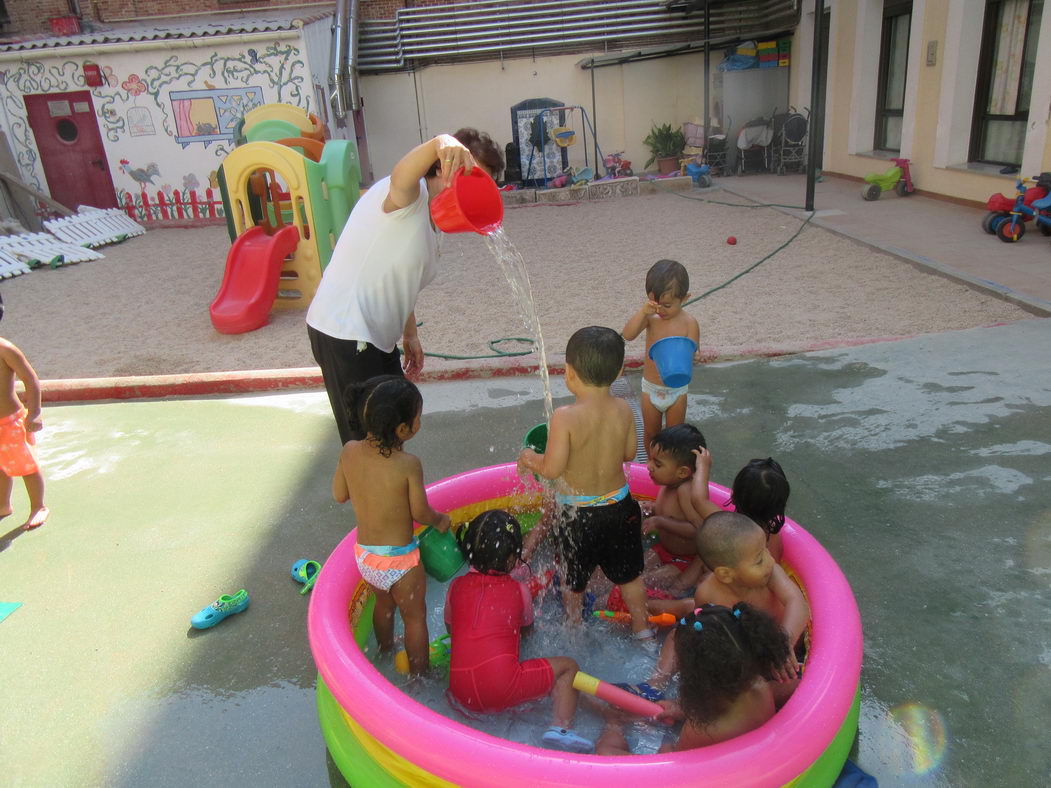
674, 359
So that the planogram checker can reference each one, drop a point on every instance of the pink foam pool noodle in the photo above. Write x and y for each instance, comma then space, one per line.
615, 696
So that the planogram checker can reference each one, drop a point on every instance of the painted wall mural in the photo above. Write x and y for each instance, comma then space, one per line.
211, 115
149, 112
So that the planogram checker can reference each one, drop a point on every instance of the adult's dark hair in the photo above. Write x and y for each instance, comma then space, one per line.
492, 542
679, 442
721, 652
667, 276
720, 537
597, 354
761, 491
377, 406
482, 147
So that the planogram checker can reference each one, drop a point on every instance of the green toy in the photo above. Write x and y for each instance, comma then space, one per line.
897, 178
441, 655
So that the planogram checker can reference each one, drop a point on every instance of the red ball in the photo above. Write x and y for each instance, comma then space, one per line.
731, 240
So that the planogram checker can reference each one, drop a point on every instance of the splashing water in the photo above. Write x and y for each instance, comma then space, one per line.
514, 268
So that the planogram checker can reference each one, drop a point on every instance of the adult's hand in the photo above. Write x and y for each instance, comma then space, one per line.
412, 361
452, 154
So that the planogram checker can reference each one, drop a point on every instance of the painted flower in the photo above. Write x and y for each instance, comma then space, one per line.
134, 85
109, 76
167, 189
190, 182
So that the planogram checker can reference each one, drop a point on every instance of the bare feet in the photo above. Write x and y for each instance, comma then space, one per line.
36, 518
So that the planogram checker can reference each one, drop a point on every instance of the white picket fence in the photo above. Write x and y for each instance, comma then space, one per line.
94, 226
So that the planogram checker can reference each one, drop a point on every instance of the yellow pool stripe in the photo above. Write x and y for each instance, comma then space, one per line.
399, 768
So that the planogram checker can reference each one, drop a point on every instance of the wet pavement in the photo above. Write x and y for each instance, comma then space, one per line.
921, 465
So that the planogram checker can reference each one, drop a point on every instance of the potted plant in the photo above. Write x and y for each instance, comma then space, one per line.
666, 146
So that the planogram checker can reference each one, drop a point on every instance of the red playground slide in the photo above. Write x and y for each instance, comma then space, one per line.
250, 284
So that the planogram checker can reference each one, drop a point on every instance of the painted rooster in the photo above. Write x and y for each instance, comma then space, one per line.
139, 175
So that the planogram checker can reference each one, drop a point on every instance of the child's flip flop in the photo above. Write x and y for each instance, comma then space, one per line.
305, 572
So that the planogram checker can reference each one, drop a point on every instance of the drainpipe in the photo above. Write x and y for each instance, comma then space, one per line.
344, 94
337, 87
101, 50
352, 56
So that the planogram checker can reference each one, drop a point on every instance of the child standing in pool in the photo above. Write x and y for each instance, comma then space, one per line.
385, 486
588, 442
485, 611
18, 422
727, 657
667, 287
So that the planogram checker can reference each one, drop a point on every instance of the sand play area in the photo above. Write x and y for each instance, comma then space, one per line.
143, 310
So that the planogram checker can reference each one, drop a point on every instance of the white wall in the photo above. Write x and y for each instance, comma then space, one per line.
629, 98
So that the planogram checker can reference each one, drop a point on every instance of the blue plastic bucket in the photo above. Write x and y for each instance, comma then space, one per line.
674, 359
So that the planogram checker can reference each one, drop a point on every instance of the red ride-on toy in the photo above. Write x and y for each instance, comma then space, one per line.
1007, 217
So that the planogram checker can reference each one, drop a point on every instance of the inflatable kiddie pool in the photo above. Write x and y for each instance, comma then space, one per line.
379, 736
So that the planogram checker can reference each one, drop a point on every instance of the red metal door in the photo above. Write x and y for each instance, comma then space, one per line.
71, 151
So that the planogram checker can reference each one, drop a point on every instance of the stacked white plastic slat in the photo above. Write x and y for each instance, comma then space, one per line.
94, 227
11, 266
44, 249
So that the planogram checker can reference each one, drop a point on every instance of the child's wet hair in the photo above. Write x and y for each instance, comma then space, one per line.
720, 536
597, 354
679, 442
377, 406
492, 542
721, 652
667, 276
761, 491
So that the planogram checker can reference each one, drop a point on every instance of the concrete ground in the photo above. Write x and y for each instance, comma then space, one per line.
920, 464
939, 235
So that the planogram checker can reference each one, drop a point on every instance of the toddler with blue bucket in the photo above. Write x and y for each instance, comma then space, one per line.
672, 337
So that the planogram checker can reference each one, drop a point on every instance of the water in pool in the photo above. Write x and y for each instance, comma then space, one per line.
601, 648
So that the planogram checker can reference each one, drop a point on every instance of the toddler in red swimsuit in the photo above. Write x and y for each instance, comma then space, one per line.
485, 611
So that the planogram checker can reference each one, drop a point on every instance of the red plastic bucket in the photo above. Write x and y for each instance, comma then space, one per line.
472, 203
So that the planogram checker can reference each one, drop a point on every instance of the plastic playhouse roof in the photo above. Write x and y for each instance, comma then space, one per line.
197, 26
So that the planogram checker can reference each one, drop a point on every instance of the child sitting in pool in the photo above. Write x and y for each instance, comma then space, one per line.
760, 492
667, 287
600, 524
485, 611
681, 465
742, 571
385, 486
727, 657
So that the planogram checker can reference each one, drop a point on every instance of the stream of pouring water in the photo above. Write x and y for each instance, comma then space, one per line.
514, 268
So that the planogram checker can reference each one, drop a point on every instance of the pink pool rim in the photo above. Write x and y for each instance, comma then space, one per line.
773, 755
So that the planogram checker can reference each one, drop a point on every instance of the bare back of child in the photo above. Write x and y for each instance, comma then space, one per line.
600, 524
661, 316
385, 486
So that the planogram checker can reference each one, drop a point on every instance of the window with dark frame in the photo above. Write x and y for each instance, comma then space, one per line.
893, 68
1005, 80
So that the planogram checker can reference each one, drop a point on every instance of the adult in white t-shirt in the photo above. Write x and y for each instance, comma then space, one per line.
386, 254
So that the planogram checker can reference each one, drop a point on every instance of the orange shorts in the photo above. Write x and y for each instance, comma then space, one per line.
16, 458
